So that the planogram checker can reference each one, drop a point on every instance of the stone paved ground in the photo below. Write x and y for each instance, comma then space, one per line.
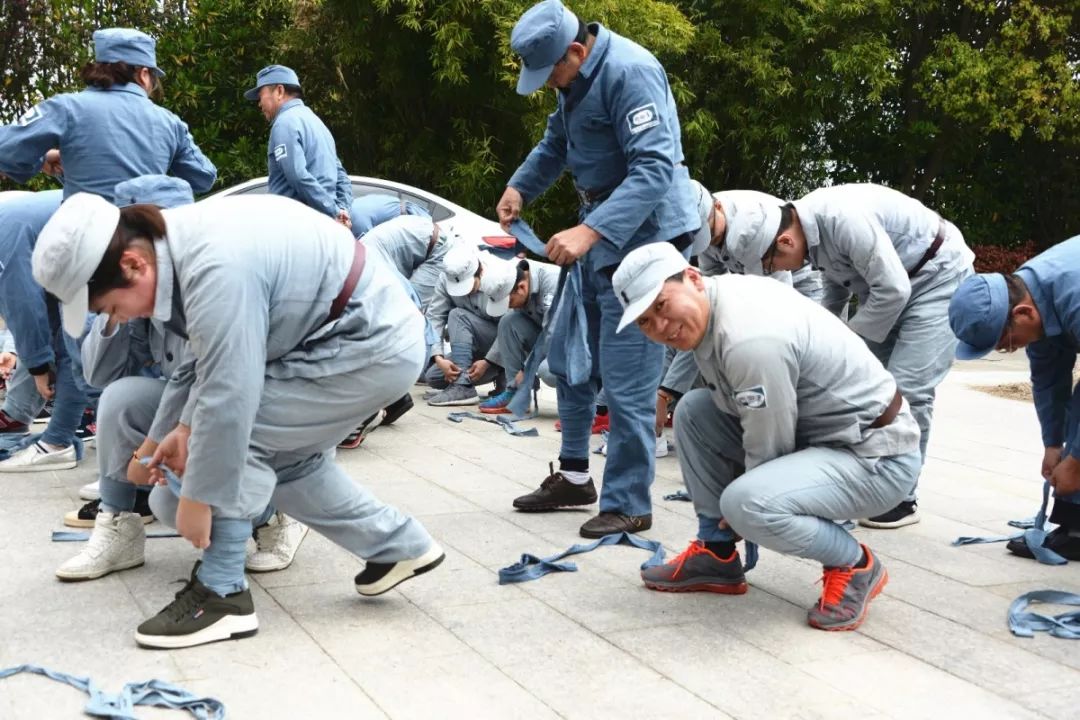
593, 644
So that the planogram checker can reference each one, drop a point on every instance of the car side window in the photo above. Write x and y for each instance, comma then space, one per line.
438, 212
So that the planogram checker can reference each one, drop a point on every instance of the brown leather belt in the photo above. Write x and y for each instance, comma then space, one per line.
890, 413
931, 251
434, 239
338, 306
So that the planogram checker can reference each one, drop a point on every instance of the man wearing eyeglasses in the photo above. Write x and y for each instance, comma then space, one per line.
1037, 308
902, 262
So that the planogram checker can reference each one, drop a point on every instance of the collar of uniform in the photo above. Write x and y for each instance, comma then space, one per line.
603, 39
132, 88
809, 227
295, 102
706, 348
1050, 320
164, 295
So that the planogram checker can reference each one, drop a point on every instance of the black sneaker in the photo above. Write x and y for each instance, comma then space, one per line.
198, 616
85, 516
377, 578
906, 513
556, 492
1059, 540
356, 438
396, 409
87, 430
43, 416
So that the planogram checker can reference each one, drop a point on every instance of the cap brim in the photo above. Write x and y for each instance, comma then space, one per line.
498, 308
532, 79
159, 72
252, 94
634, 310
74, 312
964, 351
459, 289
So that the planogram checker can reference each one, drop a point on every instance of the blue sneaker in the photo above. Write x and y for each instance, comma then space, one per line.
496, 404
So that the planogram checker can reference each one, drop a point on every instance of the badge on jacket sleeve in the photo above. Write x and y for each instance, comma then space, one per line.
642, 118
280, 152
751, 397
31, 116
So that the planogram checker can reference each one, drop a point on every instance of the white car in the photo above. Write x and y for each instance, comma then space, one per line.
488, 234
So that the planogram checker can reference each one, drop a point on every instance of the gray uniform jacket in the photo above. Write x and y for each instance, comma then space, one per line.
864, 239
140, 347
404, 240
250, 280
438, 311
794, 375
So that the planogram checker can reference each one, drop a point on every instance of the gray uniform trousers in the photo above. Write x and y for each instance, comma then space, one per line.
919, 351
471, 337
298, 425
517, 336
786, 504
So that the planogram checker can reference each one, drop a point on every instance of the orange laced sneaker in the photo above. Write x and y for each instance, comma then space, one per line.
697, 569
846, 594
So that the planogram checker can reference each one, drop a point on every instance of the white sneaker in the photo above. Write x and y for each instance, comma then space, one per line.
276, 544
116, 543
662, 448
90, 491
38, 458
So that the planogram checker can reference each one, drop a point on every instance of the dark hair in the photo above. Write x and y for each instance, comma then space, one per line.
1018, 291
677, 277
522, 271
787, 217
137, 222
106, 74
582, 32
293, 91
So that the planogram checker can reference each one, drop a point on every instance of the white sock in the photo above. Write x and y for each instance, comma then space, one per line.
575, 476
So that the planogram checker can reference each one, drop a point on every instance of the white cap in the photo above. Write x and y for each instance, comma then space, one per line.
69, 251
705, 202
751, 228
497, 282
641, 276
460, 264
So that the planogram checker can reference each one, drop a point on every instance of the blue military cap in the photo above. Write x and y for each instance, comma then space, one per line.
977, 314
272, 75
160, 190
126, 45
541, 38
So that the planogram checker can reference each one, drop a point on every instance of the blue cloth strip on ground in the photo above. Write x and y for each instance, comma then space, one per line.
502, 421
678, 496
1023, 623
155, 693
84, 535
532, 568
1034, 535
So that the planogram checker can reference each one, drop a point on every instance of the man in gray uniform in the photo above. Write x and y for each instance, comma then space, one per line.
459, 309
327, 336
901, 260
520, 294
798, 425
416, 246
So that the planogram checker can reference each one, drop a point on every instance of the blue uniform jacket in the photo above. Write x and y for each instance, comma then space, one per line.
302, 161
617, 130
104, 137
1053, 279
371, 210
22, 301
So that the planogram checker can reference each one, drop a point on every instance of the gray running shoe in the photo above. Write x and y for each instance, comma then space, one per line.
847, 594
698, 570
456, 394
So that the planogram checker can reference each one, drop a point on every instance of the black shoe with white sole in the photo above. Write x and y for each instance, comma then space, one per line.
378, 578
198, 616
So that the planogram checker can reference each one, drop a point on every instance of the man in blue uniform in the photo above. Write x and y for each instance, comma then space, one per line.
617, 130
301, 159
1038, 308
109, 132
377, 208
